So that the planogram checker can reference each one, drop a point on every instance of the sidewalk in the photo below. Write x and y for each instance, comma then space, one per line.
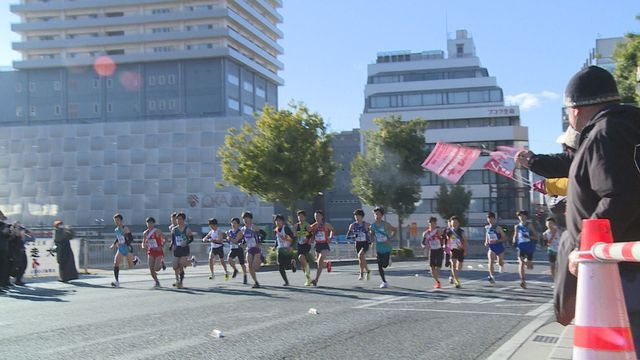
550, 341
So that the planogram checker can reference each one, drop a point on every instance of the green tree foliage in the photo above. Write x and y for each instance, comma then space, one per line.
627, 57
285, 157
388, 173
453, 201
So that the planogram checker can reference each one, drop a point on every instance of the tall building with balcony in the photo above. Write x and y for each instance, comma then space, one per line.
120, 106
464, 105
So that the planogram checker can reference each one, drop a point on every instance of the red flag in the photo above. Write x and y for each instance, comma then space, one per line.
450, 161
502, 161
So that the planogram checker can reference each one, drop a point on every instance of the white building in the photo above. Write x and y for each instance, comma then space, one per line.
464, 105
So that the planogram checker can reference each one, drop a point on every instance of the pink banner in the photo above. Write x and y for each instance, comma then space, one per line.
450, 161
502, 161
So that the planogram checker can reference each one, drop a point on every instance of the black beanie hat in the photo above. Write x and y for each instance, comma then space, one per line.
589, 86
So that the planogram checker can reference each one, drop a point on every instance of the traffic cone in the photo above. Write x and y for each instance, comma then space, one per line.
601, 325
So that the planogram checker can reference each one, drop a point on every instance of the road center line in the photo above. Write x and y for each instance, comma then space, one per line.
380, 302
450, 311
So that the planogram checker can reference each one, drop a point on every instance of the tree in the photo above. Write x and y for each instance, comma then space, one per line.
285, 157
453, 202
388, 173
627, 58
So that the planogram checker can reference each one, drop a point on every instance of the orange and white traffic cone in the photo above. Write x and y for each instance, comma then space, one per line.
601, 325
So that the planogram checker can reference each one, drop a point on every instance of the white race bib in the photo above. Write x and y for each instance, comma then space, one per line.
121, 239
456, 243
381, 238
493, 237
320, 236
152, 243
179, 240
361, 236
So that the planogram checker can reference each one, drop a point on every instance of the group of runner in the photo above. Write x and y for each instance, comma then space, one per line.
447, 245
451, 244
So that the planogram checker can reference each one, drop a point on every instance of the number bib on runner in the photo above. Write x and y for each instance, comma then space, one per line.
381, 238
361, 236
435, 244
456, 243
152, 243
493, 237
121, 239
179, 241
320, 236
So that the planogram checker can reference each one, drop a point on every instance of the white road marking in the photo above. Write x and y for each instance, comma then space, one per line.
379, 302
540, 309
450, 311
509, 348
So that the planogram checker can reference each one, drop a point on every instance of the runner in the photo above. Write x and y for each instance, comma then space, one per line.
216, 248
522, 236
382, 232
254, 253
552, 239
322, 233
234, 236
494, 239
284, 241
304, 244
433, 239
153, 241
458, 244
360, 230
124, 238
181, 237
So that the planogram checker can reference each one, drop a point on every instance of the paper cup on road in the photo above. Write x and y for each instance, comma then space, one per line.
469, 267
313, 311
217, 333
416, 275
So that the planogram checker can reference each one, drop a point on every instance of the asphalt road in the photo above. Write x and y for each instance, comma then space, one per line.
87, 319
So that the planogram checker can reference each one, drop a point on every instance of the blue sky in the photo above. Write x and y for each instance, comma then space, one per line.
532, 47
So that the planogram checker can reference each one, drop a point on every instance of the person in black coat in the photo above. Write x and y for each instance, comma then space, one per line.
64, 255
604, 183
5, 233
17, 253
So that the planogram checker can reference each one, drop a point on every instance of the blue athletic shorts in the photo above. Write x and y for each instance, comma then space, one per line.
497, 248
124, 250
525, 250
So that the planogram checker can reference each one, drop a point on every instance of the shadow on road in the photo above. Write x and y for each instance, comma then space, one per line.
36, 294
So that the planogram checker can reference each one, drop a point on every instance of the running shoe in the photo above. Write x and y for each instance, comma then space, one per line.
164, 267
360, 276
307, 282
293, 266
244, 281
384, 285
211, 277
491, 279
115, 284
368, 275
235, 272
157, 285
437, 285
193, 261
179, 285
285, 284
226, 276
314, 282
458, 284
523, 284
136, 260
450, 279
255, 286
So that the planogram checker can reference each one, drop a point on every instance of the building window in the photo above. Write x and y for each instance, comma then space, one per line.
260, 92
248, 86
161, 11
115, 33
115, 52
233, 104
57, 109
459, 50
233, 79
461, 97
161, 30
247, 109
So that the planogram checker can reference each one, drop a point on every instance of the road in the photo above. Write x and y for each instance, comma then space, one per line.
87, 319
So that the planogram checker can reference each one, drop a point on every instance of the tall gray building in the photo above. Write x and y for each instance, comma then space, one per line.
120, 106
340, 202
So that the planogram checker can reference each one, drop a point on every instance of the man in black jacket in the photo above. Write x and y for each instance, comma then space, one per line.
604, 183
5, 233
